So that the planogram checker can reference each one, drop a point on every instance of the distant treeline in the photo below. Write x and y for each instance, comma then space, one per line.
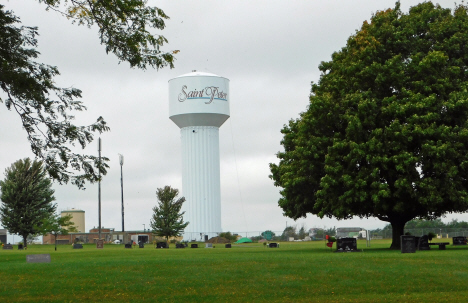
415, 224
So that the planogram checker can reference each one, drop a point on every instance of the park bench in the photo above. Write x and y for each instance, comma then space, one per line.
441, 245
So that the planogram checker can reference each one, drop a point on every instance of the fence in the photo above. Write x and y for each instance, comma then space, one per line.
254, 235
440, 232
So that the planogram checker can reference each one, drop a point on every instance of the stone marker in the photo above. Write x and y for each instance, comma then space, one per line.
42, 258
141, 245
162, 245
424, 243
208, 245
346, 245
128, 245
100, 244
7, 246
459, 240
408, 244
272, 245
20, 246
193, 245
227, 245
179, 245
77, 246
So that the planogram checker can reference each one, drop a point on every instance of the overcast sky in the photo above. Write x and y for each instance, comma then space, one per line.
270, 51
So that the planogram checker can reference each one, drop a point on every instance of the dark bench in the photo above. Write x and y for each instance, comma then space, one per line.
441, 245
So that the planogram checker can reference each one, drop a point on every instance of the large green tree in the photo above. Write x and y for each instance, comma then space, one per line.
45, 110
385, 134
167, 221
27, 195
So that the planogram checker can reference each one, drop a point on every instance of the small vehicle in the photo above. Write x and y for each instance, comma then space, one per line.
117, 242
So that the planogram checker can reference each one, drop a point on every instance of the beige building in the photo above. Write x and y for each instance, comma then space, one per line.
78, 218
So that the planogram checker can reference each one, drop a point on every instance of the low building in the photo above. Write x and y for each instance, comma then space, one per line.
108, 234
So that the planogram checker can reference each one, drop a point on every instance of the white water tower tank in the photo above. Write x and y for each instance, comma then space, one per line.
199, 105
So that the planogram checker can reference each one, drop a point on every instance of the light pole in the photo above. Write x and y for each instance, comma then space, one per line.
99, 186
121, 159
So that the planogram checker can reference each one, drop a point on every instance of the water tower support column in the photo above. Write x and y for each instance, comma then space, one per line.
201, 179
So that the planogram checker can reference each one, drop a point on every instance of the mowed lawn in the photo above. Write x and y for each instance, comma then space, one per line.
295, 272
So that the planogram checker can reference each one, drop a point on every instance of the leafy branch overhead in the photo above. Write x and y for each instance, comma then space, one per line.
124, 28
44, 108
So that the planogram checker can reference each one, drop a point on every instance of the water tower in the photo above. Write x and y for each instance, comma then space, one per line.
77, 217
199, 105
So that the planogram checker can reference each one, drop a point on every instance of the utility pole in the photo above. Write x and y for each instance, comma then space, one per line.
99, 187
121, 158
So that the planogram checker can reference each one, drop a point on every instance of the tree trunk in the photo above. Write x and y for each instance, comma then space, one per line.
398, 227
55, 242
25, 241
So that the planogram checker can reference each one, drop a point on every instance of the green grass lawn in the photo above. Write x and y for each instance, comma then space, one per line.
295, 272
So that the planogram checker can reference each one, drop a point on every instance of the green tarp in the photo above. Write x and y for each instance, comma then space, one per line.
244, 240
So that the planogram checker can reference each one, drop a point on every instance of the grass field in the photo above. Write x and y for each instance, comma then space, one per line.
295, 272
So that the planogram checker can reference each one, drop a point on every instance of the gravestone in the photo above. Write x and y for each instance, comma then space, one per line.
346, 245
208, 245
42, 258
408, 245
141, 244
7, 246
100, 244
20, 246
162, 245
193, 245
3, 235
227, 245
273, 245
424, 243
179, 245
459, 240
77, 246
128, 245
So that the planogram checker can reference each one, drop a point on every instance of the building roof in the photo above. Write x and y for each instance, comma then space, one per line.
73, 211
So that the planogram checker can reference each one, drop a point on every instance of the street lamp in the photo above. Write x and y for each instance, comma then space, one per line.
121, 159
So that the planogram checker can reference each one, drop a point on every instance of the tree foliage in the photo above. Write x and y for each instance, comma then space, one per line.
167, 221
228, 235
27, 196
58, 225
385, 134
123, 28
437, 223
289, 232
45, 109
